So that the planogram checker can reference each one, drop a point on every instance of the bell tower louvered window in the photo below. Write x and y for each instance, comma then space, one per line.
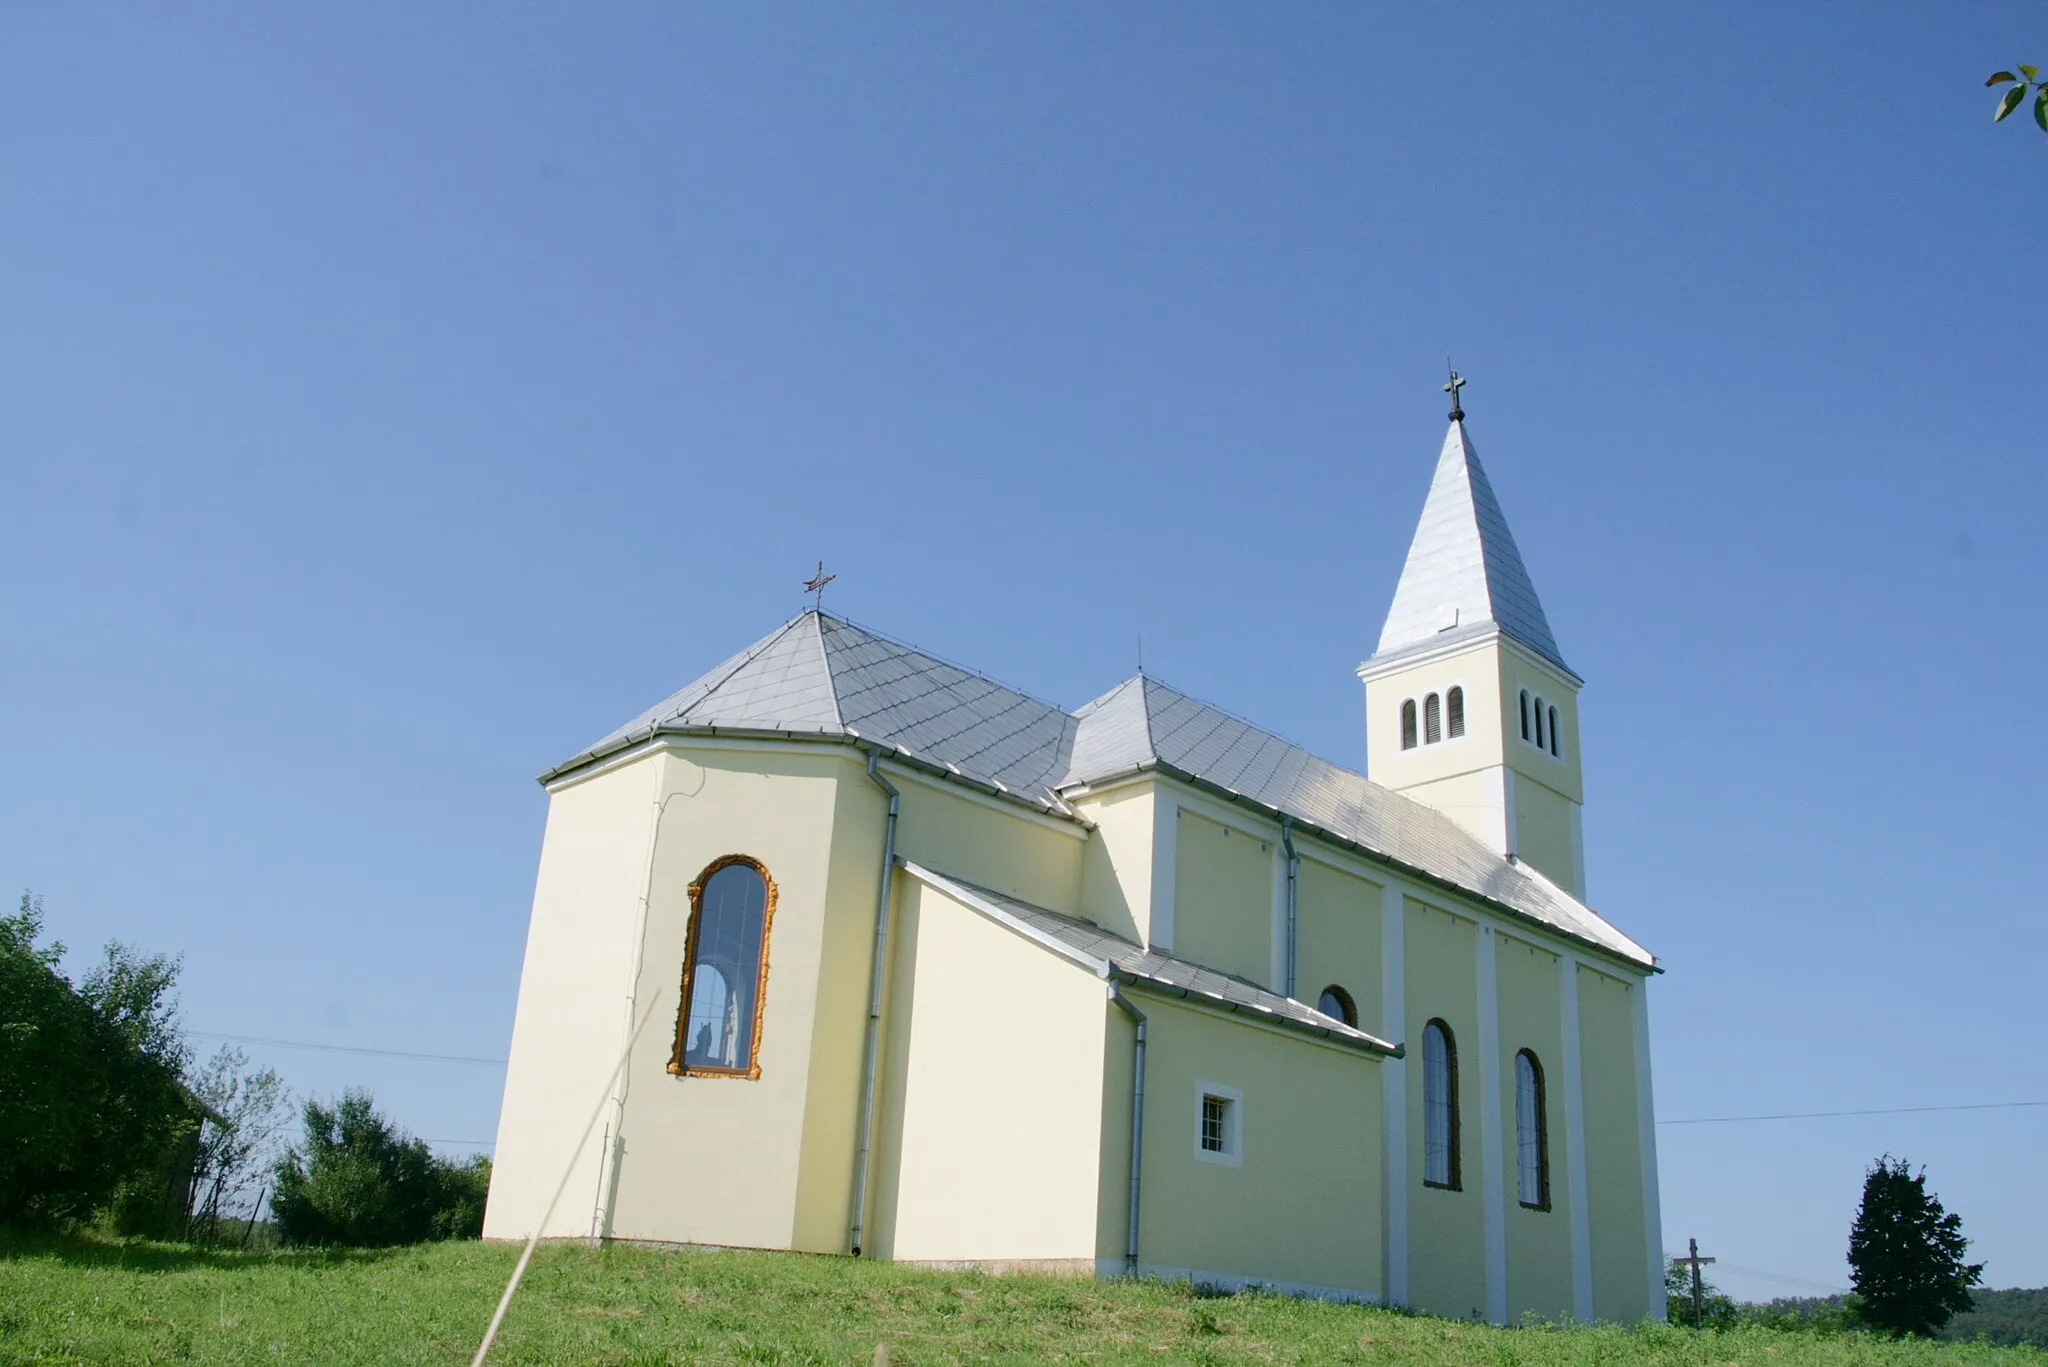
1432, 719
1454, 712
1408, 724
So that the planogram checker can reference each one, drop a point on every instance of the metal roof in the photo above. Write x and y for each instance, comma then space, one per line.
1463, 569
820, 676
1113, 956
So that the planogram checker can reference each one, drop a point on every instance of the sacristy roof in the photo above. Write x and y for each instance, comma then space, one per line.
820, 676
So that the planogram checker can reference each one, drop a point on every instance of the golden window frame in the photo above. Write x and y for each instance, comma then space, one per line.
752, 1071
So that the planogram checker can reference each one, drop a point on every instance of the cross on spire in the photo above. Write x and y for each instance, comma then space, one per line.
815, 586
1457, 383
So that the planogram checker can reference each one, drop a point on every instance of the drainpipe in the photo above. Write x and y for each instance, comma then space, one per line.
1137, 1123
1293, 901
874, 1034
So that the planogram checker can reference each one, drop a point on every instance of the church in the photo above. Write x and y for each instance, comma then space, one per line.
849, 950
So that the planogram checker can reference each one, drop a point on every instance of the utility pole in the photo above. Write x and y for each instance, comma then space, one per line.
1694, 1260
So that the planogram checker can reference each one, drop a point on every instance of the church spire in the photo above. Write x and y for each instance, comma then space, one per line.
1463, 571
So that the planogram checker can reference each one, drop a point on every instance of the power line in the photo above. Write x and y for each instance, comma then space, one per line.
1823, 1115
348, 1049
1822, 1287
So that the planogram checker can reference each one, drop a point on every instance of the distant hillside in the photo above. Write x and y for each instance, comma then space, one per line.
2007, 1317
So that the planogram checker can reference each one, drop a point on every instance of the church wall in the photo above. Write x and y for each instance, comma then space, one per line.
1446, 1231
1223, 898
839, 1034
1543, 831
994, 1118
1302, 1206
716, 1160
1477, 673
570, 1024
1337, 923
1613, 1158
1116, 869
1519, 670
1539, 1243
981, 842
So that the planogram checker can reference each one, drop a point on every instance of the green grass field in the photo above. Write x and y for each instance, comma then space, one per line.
80, 1301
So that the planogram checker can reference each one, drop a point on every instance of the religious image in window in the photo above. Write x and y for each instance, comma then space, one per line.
724, 972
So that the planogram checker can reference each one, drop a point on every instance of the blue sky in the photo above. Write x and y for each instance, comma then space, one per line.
395, 400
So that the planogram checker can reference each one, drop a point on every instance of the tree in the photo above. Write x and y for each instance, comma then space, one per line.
246, 1114
359, 1180
2027, 78
92, 1104
1717, 1309
1906, 1254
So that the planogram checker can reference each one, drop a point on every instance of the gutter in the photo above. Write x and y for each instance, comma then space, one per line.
1293, 903
864, 1154
1137, 1125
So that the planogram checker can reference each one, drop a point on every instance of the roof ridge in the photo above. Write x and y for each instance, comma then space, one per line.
902, 644
745, 658
817, 617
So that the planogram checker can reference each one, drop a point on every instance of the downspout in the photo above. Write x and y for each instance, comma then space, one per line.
1137, 1124
864, 1154
1293, 902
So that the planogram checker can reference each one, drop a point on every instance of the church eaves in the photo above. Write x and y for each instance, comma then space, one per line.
1463, 575
823, 678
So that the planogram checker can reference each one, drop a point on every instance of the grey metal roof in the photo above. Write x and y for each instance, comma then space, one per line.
1113, 956
1142, 723
819, 676
1463, 569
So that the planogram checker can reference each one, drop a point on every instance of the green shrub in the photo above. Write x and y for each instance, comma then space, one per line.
91, 1103
359, 1181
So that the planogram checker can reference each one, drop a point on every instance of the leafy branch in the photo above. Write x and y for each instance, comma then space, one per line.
2027, 79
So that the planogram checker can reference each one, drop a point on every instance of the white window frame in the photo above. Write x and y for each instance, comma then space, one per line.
1233, 1124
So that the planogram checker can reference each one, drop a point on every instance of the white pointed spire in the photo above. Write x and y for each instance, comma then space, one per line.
1463, 572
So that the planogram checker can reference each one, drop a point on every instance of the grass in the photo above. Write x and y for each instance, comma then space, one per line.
75, 1300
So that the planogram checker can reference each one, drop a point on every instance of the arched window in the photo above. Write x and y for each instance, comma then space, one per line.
1539, 724
1408, 724
1432, 719
1553, 733
1532, 1134
1454, 712
725, 971
1525, 714
1439, 1106
1337, 1004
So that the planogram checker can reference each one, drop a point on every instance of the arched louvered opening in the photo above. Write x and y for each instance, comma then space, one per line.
1408, 724
1432, 719
1525, 714
1555, 749
1454, 712
1538, 709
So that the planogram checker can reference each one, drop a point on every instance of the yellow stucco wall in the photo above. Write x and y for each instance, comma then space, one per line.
1474, 800
1539, 1243
571, 1024
993, 1122
1614, 1181
1223, 898
1116, 870
1476, 671
1519, 670
1302, 1207
991, 842
1338, 925
716, 1160
1446, 1231
1543, 831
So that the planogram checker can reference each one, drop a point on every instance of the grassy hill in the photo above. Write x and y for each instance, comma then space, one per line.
78, 1301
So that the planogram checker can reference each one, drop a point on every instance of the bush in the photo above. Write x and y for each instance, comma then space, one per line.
360, 1181
91, 1103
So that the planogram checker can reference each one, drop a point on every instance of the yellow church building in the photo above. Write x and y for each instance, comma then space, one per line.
857, 951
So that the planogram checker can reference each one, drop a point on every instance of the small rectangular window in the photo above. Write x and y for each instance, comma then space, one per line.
1219, 1123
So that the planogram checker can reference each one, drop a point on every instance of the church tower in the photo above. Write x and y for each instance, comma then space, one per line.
1469, 707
